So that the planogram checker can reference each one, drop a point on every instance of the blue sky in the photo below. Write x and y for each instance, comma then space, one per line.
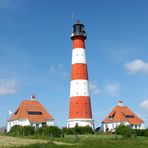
35, 54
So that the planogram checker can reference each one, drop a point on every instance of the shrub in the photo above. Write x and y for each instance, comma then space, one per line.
88, 129
16, 130
139, 132
78, 130
146, 132
28, 130
68, 131
50, 131
125, 131
19, 130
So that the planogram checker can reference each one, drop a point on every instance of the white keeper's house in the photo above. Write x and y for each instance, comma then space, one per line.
121, 114
30, 112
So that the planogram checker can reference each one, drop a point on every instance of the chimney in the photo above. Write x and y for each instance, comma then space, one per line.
10, 113
120, 103
33, 98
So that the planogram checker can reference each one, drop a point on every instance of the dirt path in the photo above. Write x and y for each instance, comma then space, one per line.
6, 141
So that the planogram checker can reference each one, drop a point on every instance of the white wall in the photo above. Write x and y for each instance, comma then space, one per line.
50, 123
23, 122
80, 122
112, 126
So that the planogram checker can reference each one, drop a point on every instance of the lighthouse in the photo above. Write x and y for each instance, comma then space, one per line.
80, 113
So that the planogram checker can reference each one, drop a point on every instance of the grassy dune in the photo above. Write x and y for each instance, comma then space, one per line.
85, 141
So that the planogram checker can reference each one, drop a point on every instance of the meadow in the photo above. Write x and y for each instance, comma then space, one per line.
70, 141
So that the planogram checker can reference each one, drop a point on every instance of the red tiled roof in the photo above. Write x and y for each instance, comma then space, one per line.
31, 110
122, 114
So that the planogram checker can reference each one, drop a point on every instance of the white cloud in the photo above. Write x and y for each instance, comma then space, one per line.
52, 70
113, 89
94, 89
58, 70
8, 5
8, 86
144, 104
137, 66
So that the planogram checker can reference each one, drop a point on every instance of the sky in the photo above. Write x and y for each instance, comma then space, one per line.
36, 52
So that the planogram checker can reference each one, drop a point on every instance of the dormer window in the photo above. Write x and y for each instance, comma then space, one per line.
34, 113
110, 117
129, 116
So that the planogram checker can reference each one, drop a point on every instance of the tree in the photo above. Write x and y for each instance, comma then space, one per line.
125, 131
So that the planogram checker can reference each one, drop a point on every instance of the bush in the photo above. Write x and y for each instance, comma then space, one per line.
16, 130
19, 130
125, 131
28, 130
139, 132
78, 130
50, 131
68, 131
146, 132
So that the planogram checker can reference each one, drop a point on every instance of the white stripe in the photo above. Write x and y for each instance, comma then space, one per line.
79, 88
78, 55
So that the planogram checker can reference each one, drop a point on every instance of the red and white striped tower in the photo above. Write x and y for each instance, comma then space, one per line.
80, 105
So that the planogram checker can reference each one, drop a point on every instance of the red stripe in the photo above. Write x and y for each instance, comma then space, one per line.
80, 107
78, 42
79, 71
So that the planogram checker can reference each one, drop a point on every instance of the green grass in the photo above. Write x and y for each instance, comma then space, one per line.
94, 141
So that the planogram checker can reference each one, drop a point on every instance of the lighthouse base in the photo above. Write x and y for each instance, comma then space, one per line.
80, 122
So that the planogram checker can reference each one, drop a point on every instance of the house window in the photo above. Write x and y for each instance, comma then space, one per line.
44, 124
68, 125
76, 124
131, 125
37, 126
16, 112
106, 126
113, 126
